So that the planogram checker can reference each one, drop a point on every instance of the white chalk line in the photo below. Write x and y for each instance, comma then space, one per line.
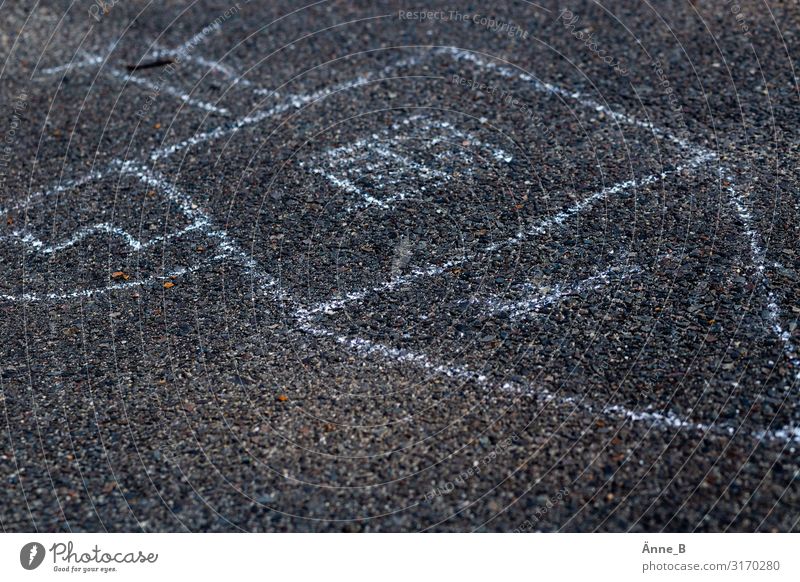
421, 123
200, 221
759, 258
64, 186
498, 153
290, 103
517, 309
426, 171
299, 101
179, 53
182, 52
37, 245
348, 186
185, 52
125, 76
346, 157
543, 226
361, 148
124, 285
367, 199
660, 419
266, 283
363, 346
543, 87
221, 68
229, 246
158, 88
535, 303
87, 61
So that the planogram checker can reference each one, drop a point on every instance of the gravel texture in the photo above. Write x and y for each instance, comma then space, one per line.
342, 268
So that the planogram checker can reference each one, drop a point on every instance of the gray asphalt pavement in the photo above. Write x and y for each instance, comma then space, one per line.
376, 266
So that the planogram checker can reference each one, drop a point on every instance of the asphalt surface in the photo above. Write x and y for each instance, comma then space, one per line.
521, 267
